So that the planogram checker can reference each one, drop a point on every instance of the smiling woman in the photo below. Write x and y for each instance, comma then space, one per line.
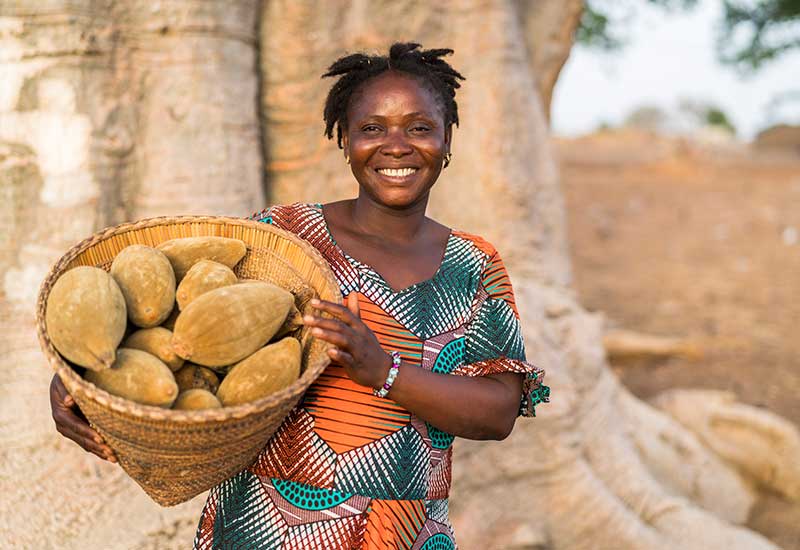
428, 347
430, 324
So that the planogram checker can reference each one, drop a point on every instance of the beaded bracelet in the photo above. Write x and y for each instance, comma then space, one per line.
393, 370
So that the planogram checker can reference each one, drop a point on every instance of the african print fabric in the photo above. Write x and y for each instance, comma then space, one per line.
347, 469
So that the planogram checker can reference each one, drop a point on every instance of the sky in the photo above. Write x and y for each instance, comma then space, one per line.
669, 57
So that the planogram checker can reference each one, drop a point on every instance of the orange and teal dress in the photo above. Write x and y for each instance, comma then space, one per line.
350, 470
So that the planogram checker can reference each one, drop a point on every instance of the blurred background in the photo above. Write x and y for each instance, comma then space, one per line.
637, 163
677, 125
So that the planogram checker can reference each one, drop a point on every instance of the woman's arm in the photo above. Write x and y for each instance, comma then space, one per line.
483, 407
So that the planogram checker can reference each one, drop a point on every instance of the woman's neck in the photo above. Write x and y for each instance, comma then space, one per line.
376, 220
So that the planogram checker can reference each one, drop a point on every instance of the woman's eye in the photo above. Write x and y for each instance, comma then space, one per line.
370, 128
421, 129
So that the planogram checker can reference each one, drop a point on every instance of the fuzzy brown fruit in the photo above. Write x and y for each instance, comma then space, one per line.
185, 252
169, 322
147, 281
86, 317
202, 277
195, 400
155, 341
268, 370
226, 325
138, 376
293, 322
193, 376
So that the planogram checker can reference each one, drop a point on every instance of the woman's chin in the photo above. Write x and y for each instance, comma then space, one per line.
398, 198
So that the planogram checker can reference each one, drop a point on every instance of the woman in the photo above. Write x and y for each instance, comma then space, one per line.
427, 347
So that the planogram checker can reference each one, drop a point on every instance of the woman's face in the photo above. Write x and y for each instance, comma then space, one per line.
396, 139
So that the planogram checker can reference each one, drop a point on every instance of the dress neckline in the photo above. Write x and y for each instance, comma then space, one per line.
369, 270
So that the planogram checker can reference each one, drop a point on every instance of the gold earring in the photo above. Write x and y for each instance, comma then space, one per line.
447, 157
347, 158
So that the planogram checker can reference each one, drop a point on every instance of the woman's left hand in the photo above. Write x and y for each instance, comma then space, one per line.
356, 347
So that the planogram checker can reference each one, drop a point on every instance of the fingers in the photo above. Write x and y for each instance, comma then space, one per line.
71, 423
334, 337
341, 357
87, 444
352, 304
327, 324
338, 311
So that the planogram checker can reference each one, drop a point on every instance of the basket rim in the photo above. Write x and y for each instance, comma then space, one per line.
149, 412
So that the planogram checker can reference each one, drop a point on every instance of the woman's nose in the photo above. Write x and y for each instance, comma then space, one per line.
396, 144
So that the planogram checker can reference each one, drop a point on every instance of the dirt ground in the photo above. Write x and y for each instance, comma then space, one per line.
678, 238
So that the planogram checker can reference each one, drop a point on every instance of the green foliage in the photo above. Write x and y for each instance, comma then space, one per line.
753, 33
594, 30
717, 117
603, 21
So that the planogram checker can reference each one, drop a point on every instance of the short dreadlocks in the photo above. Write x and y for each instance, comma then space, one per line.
355, 69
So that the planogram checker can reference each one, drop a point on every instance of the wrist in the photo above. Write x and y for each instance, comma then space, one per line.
391, 375
383, 373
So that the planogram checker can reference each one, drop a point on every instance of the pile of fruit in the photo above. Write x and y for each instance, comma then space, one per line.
173, 326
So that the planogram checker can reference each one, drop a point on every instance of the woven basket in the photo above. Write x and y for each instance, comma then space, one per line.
176, 455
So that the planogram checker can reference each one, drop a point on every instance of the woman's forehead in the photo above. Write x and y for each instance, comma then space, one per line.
393, 94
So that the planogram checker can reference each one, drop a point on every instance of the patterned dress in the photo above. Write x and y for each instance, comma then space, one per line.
347, 469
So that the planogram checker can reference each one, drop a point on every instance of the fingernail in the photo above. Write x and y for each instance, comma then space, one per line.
314, 302
97, 439
308, 318
316, 331
68, 401
112, 458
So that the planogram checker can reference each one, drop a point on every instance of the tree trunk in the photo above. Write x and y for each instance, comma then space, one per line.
111, 111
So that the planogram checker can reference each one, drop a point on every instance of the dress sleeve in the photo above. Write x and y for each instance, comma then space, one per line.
493, 339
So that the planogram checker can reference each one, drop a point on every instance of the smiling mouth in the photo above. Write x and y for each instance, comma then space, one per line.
396, 173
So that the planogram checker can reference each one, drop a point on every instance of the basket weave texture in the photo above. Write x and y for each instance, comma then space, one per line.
176, 455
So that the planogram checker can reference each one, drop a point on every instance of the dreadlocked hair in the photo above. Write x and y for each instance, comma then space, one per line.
355, 69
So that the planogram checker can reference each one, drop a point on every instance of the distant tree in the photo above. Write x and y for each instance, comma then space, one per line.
648, 117
717, 117
697, 113
603, 22
753, 33
750, 33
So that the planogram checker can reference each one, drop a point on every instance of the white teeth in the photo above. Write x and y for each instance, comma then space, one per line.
397, 173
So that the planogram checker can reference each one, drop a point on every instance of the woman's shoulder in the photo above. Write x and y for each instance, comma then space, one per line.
286, 211
479, 245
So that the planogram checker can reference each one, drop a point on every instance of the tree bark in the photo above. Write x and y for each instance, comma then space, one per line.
109, 111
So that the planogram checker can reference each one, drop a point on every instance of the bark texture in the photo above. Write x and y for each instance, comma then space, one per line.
111, 111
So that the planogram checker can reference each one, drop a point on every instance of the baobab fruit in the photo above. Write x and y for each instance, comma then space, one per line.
192, 376
138, 376
155, 341
196, 399
202, 277
294, 320
86, 317
185, 252
226, 325
169, 322
147, 281
268, 370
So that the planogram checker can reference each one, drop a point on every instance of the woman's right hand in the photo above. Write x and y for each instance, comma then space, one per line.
71, 423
